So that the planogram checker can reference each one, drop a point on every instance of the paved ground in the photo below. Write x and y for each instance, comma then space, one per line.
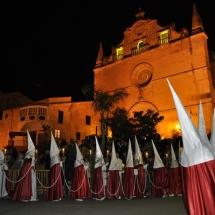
162, 206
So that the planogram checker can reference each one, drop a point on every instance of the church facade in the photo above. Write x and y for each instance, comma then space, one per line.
148, 55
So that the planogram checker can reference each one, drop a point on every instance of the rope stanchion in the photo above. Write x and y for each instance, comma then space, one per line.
52, 184
152, 182
124, 192
80, 185
139, 186
20, 178
116, 191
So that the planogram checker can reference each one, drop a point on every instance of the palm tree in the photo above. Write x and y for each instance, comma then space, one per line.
105, 101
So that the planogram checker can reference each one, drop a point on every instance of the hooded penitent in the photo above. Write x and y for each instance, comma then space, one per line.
138, 159
129, 174
202, 130
197, 166
113, 186
160, 178
113, 162
158, 163
31, 147
212, 138
54, 152
98, 186
1, 157
99, 160
79, 157
174, 162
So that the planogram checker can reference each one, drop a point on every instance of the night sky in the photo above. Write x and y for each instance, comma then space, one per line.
50, 47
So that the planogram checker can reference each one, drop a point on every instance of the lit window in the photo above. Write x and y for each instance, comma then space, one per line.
32, 111
88, 120
119, 53
164, 37
23, 112
140, 46
42, 111
60, 117
57, 133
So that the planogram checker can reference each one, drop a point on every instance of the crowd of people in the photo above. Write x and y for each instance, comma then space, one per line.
119, 170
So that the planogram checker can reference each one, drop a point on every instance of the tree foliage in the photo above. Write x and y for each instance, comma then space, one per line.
104, 102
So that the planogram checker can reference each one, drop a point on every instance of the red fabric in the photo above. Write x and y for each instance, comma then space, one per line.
98, 183
56, 191
129, 182
160, 180
7, 183
199, 188
78, 178
23, 189
140, 180
175, 183
114, 185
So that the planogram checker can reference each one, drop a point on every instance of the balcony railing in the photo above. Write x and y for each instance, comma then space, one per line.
164, 41
139, 51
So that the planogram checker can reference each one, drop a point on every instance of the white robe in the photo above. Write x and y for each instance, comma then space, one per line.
3, 191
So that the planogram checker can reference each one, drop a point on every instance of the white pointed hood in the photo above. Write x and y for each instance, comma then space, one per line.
54, 152
99, 160
79, 157
138, 154
1, 157
158, 163
202, 130
31, 148
129, 159
113, 163
194, 151
174, 162
212, 138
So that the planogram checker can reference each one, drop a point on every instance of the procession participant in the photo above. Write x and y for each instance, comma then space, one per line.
197, 166
98, 186
55, 192
80, 181
129, 174
212, 137
175, 188
114, 190
140, 185
26, 189
160, 176
4, 184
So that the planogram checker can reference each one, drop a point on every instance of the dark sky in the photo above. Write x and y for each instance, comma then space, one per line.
50, 47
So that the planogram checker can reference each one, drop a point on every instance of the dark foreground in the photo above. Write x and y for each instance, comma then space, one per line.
162, 206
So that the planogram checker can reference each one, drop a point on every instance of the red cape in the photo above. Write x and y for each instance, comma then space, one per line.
140, 182
80, 180
114, 189
23, 189
56, 191
198, 185
129, 182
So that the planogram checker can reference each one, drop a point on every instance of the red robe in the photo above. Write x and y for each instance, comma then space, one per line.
56, 191
114, 189
160, 181
129, 182
175, 186
98, 184
198, 185
140, 180
80, 180
23, 188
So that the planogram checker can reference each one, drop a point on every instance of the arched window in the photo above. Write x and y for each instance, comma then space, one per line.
119, 53
140, 47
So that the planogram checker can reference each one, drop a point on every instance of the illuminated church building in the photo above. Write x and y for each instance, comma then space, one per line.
146, 57
141, 64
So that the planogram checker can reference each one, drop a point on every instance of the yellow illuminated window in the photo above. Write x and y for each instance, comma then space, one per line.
164, 37
119, 53
57, 133
140, 45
